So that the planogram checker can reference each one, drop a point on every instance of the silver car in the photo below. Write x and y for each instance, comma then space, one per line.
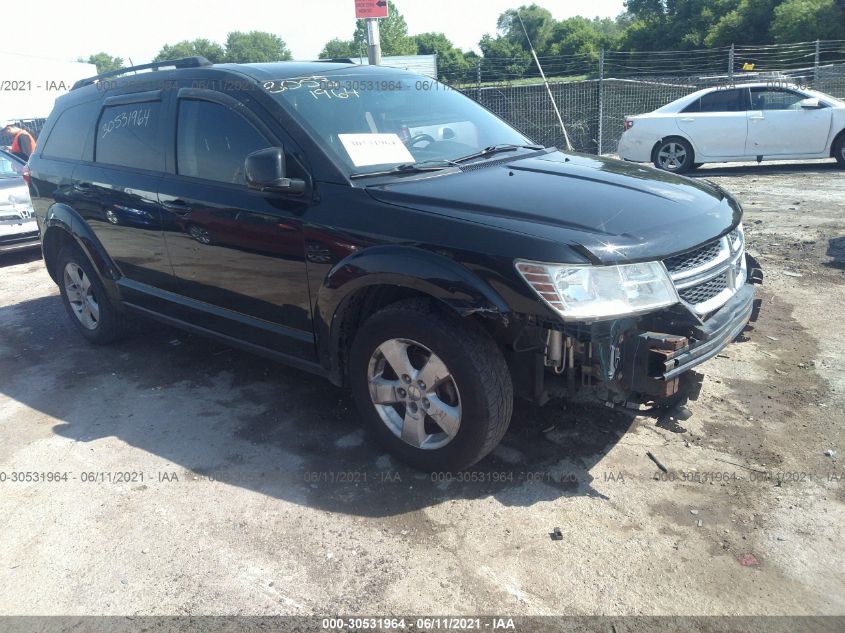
18, 228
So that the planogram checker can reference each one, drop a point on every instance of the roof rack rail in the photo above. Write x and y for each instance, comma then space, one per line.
338, 60
185, 62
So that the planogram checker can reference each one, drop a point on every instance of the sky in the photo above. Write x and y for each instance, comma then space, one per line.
68, 29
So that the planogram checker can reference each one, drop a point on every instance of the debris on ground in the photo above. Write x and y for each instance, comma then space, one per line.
556, 534
657, 461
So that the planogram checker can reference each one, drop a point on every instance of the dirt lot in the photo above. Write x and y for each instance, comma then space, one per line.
252, 489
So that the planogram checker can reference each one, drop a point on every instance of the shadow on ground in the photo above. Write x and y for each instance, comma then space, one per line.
219, 413
20, 257
763, 169
836, 251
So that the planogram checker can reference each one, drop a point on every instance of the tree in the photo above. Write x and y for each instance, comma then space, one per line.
748, 23
338, 48
212, 51
452, 62
806, 20
539, 24
580, 36
254, 47
104, 62
393, 34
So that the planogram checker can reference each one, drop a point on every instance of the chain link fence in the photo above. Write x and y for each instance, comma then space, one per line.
596, 93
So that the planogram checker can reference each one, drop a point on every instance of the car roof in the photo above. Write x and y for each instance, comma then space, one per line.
259, 73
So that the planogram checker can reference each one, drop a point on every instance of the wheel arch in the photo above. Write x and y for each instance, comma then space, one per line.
64, 226
365, 282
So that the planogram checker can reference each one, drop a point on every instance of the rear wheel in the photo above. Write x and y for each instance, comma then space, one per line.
839, 150
674, 155
85, 298
436, 391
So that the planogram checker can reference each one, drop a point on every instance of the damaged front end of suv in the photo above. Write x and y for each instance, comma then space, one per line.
630, 333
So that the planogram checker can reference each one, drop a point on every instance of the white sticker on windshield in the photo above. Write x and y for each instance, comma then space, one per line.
375, 149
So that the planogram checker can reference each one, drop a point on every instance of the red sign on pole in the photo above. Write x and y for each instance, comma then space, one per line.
370, 9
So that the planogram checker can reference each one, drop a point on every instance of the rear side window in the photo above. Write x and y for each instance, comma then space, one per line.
69, 135
129, 135
213, 141
718, 101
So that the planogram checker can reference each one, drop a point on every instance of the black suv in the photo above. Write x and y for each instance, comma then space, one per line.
381, 230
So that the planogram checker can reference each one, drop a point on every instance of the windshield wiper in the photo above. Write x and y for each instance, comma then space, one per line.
495, 149
407, 168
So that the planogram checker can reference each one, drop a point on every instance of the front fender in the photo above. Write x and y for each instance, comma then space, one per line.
421, 271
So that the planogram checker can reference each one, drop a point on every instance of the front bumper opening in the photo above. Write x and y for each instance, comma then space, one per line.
654, 361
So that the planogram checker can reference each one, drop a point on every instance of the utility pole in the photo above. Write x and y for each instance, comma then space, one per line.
601, 102
373, 42
731, 60
816, 60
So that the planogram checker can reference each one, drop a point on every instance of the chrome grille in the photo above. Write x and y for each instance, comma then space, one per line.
707, 276
693, 259
706, 291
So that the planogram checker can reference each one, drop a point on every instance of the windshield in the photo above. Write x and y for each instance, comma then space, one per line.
375, 121
9, 167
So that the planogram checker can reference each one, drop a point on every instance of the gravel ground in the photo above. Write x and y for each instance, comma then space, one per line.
251, 489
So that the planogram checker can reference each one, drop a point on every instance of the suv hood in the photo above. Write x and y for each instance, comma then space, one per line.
608, 210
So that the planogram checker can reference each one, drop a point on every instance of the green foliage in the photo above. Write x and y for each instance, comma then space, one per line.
338, 48
255, 46
805, 20
538, 24
212, 51
104, 62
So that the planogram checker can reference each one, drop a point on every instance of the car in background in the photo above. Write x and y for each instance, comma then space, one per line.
755, 121
18, 227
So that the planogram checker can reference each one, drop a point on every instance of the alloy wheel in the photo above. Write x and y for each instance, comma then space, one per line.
672, 156
414, 393
80, 296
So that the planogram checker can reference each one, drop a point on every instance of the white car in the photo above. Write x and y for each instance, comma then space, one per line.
755, 121
18, 227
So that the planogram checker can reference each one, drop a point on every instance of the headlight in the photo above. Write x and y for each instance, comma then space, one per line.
590, 293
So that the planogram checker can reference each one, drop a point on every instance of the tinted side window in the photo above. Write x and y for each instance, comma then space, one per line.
68, 136
128, 135
773, 99
212, 142
722, 101
695, 106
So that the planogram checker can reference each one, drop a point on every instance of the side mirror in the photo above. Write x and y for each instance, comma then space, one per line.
265, 171
811, 104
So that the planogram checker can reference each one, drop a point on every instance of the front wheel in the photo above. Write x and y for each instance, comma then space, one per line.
674, 155
435, 390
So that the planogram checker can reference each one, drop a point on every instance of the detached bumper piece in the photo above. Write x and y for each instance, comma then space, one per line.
653, 361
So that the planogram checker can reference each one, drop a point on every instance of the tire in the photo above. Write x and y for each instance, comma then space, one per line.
477, 390
839, 150
696, 165
674, 155
85, 298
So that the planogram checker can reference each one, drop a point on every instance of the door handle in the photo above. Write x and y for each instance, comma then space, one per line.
688, 120
180, 207
756, 117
